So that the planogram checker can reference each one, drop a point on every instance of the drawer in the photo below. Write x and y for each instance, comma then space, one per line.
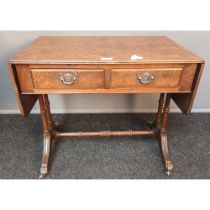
146, 78
67, 78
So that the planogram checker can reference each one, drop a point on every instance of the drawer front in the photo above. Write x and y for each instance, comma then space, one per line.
146, 78
67, 78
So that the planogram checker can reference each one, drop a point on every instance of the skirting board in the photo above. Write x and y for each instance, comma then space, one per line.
76, 111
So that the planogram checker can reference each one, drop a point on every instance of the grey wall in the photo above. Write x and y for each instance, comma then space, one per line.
12, 42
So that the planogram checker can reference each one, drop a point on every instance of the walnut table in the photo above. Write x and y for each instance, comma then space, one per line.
105, 64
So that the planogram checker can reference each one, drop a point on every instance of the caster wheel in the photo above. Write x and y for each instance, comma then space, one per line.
41, 176
169, 168
168, 173
43, 171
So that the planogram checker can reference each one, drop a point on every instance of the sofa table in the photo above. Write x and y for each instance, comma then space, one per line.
105, 64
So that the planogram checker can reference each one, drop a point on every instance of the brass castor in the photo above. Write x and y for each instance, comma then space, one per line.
168, 173
41, 176
43, 171
169, 168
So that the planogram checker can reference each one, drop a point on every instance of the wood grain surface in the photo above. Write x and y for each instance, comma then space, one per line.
90, 49
38, 67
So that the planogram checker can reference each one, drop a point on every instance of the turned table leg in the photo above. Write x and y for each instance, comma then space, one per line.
52, 125
164, 136
156, 125
158, 129
48, 133
160, 111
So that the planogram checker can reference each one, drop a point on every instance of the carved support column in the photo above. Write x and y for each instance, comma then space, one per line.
164, 136
48, 113
160, 111
46, 136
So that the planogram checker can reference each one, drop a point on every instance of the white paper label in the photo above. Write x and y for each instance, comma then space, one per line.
106, 59
136, 57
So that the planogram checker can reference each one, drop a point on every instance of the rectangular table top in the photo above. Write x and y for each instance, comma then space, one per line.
90, 49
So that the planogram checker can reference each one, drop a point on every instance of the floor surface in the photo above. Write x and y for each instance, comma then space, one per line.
105, 157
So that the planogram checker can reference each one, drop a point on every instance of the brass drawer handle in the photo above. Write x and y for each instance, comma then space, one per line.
145, 77
68, 79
